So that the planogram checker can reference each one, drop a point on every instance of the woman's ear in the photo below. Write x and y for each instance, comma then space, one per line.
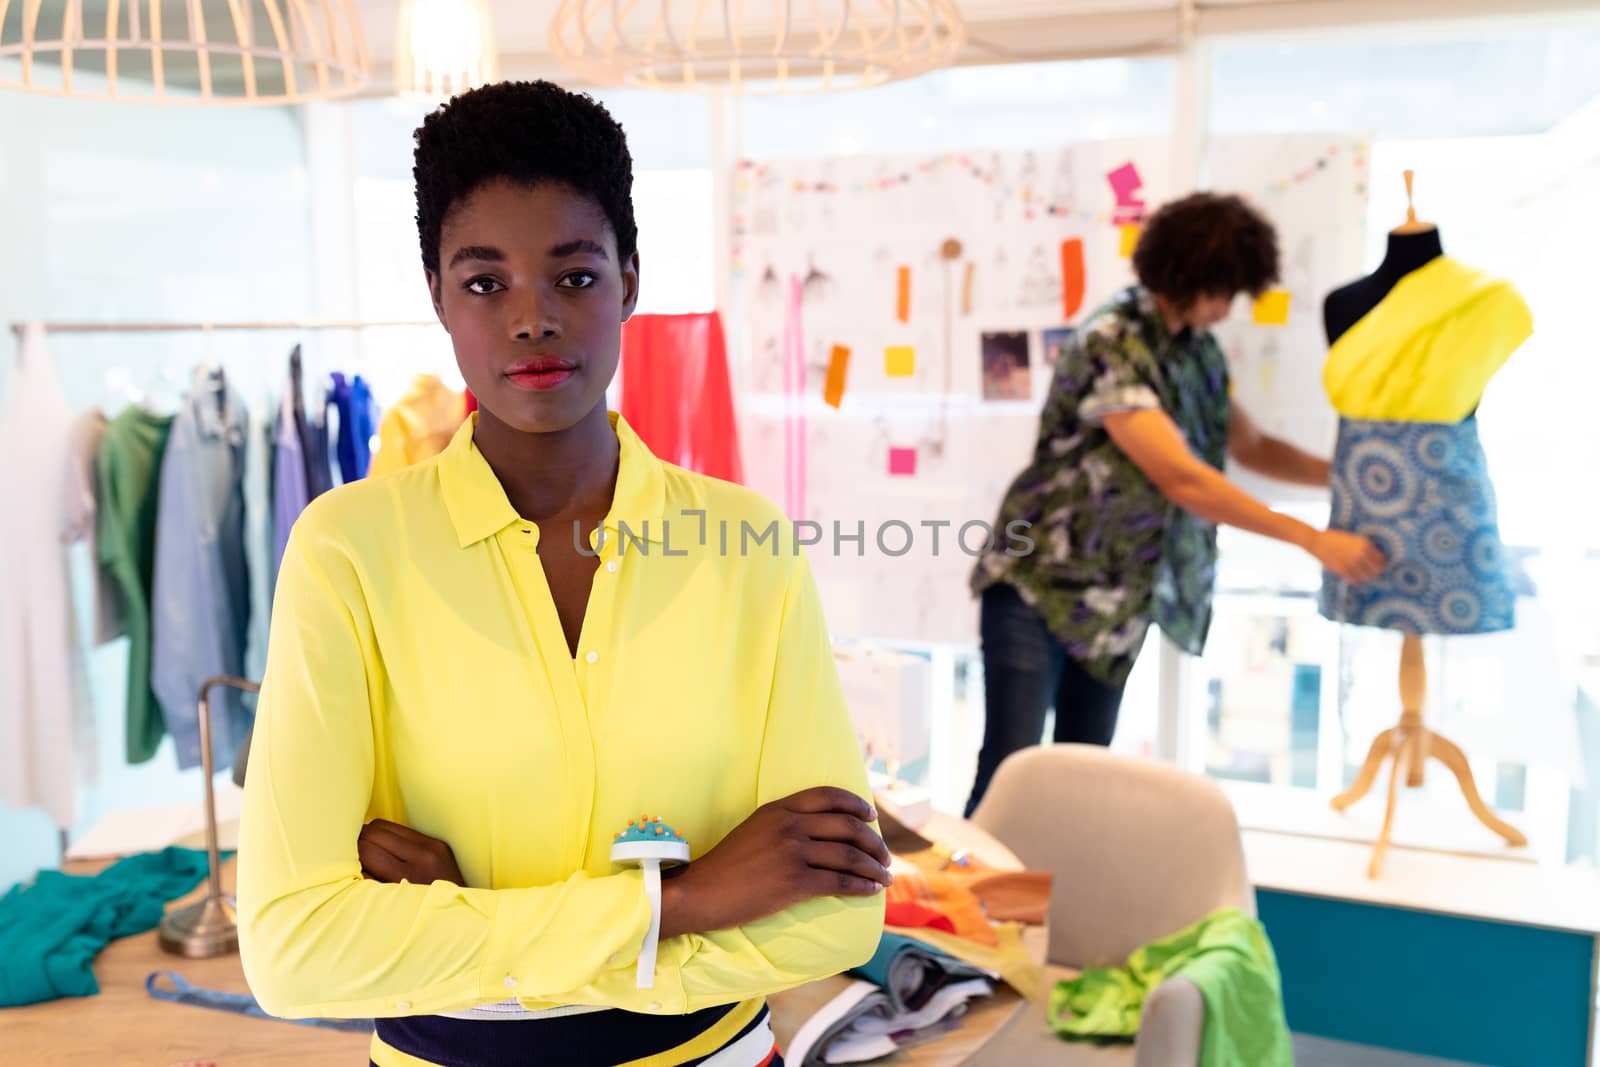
630, 286
436, 294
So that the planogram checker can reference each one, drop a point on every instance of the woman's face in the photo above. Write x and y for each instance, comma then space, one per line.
532, 293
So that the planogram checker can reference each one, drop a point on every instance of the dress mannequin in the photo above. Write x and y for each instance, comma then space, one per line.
1411, 246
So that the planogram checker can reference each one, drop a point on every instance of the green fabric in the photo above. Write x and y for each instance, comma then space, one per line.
128, 469
1110, 552
52, 929
1227, 955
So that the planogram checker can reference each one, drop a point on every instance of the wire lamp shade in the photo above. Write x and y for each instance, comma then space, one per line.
444, 47
184, 52
757, 47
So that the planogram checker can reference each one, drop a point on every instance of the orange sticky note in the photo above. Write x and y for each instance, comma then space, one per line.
899, 361
902, 299
833, 384
1272, 307
1130, 238
1072, 277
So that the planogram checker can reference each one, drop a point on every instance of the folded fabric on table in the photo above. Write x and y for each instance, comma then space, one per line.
1008, 958
52, 929
911, 972
860, 1023
1227, 955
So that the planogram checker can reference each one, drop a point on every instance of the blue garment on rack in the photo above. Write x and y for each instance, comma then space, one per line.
358, 421
1421, 492
200, 601
235, 1003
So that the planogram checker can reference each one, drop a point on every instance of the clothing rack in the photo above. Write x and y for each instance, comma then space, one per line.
210, 327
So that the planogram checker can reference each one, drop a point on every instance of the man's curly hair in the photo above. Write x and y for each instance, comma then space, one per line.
525, 132
1206, 244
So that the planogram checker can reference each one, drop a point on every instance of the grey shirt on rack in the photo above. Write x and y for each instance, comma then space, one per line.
200, 605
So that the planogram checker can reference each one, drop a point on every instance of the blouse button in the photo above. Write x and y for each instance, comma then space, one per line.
403, 1005
511, 983
611, 566
654, 1005
593, 657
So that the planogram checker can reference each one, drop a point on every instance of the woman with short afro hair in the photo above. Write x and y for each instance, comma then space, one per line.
505, 684
1126, 487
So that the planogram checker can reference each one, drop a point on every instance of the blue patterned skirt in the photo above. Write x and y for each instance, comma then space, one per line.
1421, 492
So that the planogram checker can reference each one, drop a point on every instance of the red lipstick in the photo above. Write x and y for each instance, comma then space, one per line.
540, 372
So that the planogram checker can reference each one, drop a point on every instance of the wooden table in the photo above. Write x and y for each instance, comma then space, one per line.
125, 1026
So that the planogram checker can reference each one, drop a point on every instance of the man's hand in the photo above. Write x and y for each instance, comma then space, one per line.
815, 843
393, 853
1350, 556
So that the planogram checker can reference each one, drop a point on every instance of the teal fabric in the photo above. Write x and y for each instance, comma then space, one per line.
52, 929
1227, 955
876, 970
912, 971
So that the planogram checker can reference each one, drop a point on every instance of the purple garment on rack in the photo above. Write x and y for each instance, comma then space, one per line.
290, 494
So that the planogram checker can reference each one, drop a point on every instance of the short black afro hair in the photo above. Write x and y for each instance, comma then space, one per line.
1206, 244
527, 132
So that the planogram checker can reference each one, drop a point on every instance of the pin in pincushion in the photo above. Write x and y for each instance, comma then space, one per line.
649, 839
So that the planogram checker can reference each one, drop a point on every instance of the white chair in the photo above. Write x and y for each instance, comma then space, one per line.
1139, 850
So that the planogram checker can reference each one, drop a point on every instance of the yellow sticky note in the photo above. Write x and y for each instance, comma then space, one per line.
1272, 307
1130, 238
899, 361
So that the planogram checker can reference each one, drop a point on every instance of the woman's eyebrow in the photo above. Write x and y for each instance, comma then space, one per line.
486, 253
582, 244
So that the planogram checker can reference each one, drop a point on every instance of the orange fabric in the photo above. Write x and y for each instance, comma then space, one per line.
947, 894
1016, 896
676, 392
906, 913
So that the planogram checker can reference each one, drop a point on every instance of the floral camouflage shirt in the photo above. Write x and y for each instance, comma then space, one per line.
1111, 553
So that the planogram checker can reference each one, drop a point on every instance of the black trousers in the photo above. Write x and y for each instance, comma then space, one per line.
1027, 671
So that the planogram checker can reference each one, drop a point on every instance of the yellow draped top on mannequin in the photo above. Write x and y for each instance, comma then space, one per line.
1427, 351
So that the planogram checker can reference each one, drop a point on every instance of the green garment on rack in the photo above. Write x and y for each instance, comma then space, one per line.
128, 470
1227, 955
52, 929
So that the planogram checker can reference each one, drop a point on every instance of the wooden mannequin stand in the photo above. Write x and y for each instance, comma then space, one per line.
1410, 744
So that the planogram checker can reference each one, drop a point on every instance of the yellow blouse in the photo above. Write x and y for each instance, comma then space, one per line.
417, 672
1427, 351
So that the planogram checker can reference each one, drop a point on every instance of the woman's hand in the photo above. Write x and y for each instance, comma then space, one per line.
815, 843
393, 853
1351, 556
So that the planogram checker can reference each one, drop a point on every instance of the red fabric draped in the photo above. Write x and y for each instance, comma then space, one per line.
676, 393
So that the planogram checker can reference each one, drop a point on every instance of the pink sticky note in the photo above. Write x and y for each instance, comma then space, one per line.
903, 461
1125, 181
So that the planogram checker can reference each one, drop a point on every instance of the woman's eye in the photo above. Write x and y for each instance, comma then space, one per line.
483, 286
579, 279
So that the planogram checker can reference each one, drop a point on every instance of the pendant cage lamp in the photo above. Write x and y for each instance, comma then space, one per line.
184, 52
444, 47
754, 47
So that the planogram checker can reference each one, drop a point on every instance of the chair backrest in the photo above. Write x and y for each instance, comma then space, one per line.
1139, 849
